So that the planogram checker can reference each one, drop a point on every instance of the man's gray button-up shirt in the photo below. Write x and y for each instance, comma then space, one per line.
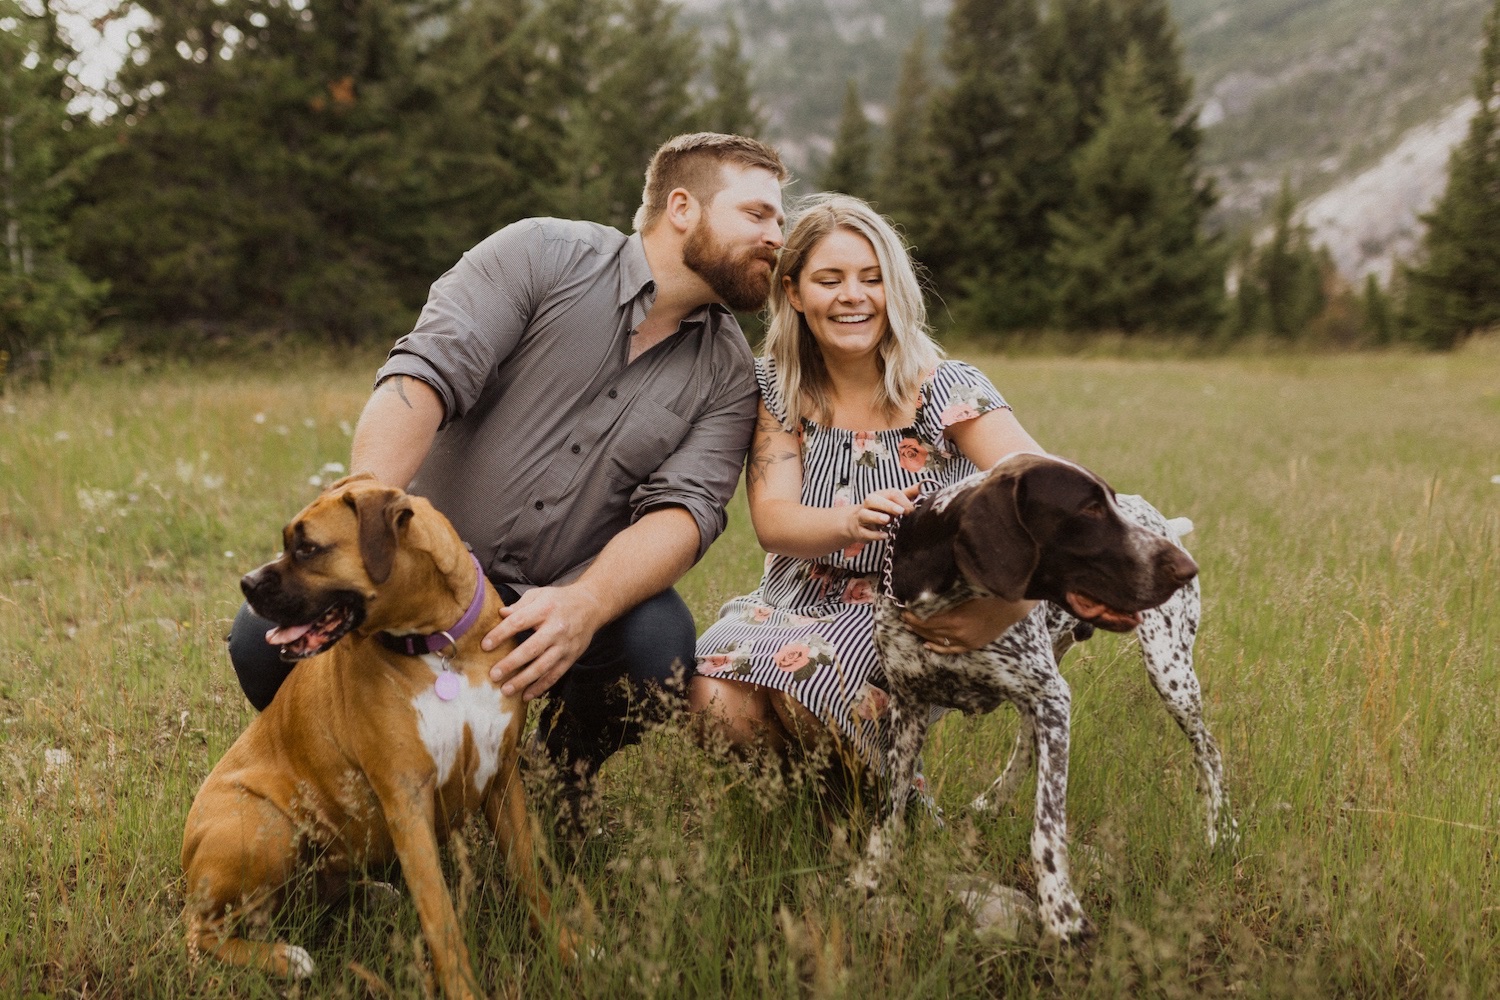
552, 444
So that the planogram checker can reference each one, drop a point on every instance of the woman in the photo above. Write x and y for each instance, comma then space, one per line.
859, 412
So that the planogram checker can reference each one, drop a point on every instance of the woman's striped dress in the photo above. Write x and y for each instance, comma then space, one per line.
808, 628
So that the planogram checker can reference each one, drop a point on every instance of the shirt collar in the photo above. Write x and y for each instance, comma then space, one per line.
635, 272
636, 283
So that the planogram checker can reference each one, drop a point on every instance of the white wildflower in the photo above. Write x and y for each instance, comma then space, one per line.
211, 482
315, 480
309, 423
56, 759
346, 428
259, 418
228, 553
61, 436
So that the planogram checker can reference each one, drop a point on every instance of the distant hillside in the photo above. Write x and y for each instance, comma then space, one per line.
1320, 91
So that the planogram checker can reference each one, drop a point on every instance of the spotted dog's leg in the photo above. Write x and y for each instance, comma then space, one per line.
1062, 916
1166, 637
1022, 760
908, 720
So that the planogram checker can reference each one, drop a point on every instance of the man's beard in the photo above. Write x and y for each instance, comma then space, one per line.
732, 276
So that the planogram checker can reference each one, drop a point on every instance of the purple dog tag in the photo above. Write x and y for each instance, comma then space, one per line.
448, 685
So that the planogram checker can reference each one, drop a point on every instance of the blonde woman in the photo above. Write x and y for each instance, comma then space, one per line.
859, 410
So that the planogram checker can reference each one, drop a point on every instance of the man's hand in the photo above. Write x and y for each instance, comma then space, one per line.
972, 625
564, 619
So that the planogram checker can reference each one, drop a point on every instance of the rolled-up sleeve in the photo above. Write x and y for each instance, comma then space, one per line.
475, 316
702, 473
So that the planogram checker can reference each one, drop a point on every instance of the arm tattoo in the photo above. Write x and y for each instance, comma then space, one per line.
398, 383
765, 451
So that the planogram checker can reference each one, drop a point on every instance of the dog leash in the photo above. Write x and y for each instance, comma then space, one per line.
887, 588
448, 683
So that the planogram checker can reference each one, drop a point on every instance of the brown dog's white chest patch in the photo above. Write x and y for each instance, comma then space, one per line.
477, 708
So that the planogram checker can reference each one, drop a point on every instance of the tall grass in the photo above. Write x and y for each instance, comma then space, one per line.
1349, 535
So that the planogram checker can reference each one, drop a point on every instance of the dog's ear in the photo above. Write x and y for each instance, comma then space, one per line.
382, 514
355, 477
992, 547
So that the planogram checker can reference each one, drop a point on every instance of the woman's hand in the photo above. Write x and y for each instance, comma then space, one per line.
972, 625
868, 521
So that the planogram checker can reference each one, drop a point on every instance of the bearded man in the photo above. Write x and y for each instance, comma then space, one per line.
579, 403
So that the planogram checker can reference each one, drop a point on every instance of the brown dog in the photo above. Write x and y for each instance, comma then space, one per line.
366, 752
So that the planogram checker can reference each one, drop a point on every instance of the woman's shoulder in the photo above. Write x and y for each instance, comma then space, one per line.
957, 391
767, 380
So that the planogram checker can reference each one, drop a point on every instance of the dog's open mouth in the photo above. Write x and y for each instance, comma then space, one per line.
1101, 615
298, 642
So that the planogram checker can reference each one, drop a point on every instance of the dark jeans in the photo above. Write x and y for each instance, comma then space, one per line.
589, 712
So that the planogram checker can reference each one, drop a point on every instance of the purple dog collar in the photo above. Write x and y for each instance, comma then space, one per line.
417, 645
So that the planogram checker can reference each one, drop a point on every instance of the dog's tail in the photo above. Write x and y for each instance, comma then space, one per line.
1180, 526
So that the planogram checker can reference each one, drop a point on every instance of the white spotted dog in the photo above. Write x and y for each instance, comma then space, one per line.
1166, 636
1033, 527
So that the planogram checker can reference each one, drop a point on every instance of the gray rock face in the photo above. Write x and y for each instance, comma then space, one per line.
1373, 219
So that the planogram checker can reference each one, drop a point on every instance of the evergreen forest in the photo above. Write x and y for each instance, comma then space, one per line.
303, 169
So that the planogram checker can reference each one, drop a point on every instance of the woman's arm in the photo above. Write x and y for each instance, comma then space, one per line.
986, 440
773, 485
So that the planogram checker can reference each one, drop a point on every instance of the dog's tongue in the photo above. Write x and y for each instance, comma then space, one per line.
285, 634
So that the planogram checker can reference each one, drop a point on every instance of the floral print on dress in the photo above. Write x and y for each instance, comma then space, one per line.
871, 703
733, 658
966, 401
802, 657
868, 450
913, 454
859, 590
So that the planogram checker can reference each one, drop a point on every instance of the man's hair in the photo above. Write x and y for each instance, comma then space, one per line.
907, 353
694, 162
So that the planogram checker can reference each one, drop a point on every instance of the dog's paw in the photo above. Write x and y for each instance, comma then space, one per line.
1224, 835
298, 964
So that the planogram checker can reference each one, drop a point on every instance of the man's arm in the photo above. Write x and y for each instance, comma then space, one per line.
640, 562
396, 429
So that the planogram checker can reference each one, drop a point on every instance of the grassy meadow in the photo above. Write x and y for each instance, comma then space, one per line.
1348, 530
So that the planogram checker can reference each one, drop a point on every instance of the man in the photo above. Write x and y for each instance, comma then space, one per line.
579, 404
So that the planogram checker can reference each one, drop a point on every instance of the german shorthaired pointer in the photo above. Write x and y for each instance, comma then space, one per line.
1042, 528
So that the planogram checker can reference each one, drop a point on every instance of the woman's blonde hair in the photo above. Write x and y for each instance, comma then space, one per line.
907, 352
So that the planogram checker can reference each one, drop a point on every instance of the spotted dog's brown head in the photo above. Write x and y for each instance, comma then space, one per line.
353, 559
1042, 528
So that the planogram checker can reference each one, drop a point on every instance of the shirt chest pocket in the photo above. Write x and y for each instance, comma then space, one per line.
649, 434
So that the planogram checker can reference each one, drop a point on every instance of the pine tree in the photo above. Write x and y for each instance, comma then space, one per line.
732, 108
848, 168
1454, 290
903, 183
982, 241
636, 92
44, 298
1288, 272
262, 169
1129, 254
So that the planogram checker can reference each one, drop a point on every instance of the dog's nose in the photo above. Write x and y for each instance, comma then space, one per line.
1179, 565
255, 581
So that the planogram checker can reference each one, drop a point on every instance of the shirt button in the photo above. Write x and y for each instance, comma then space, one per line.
538, 505
613, 393
577, 448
